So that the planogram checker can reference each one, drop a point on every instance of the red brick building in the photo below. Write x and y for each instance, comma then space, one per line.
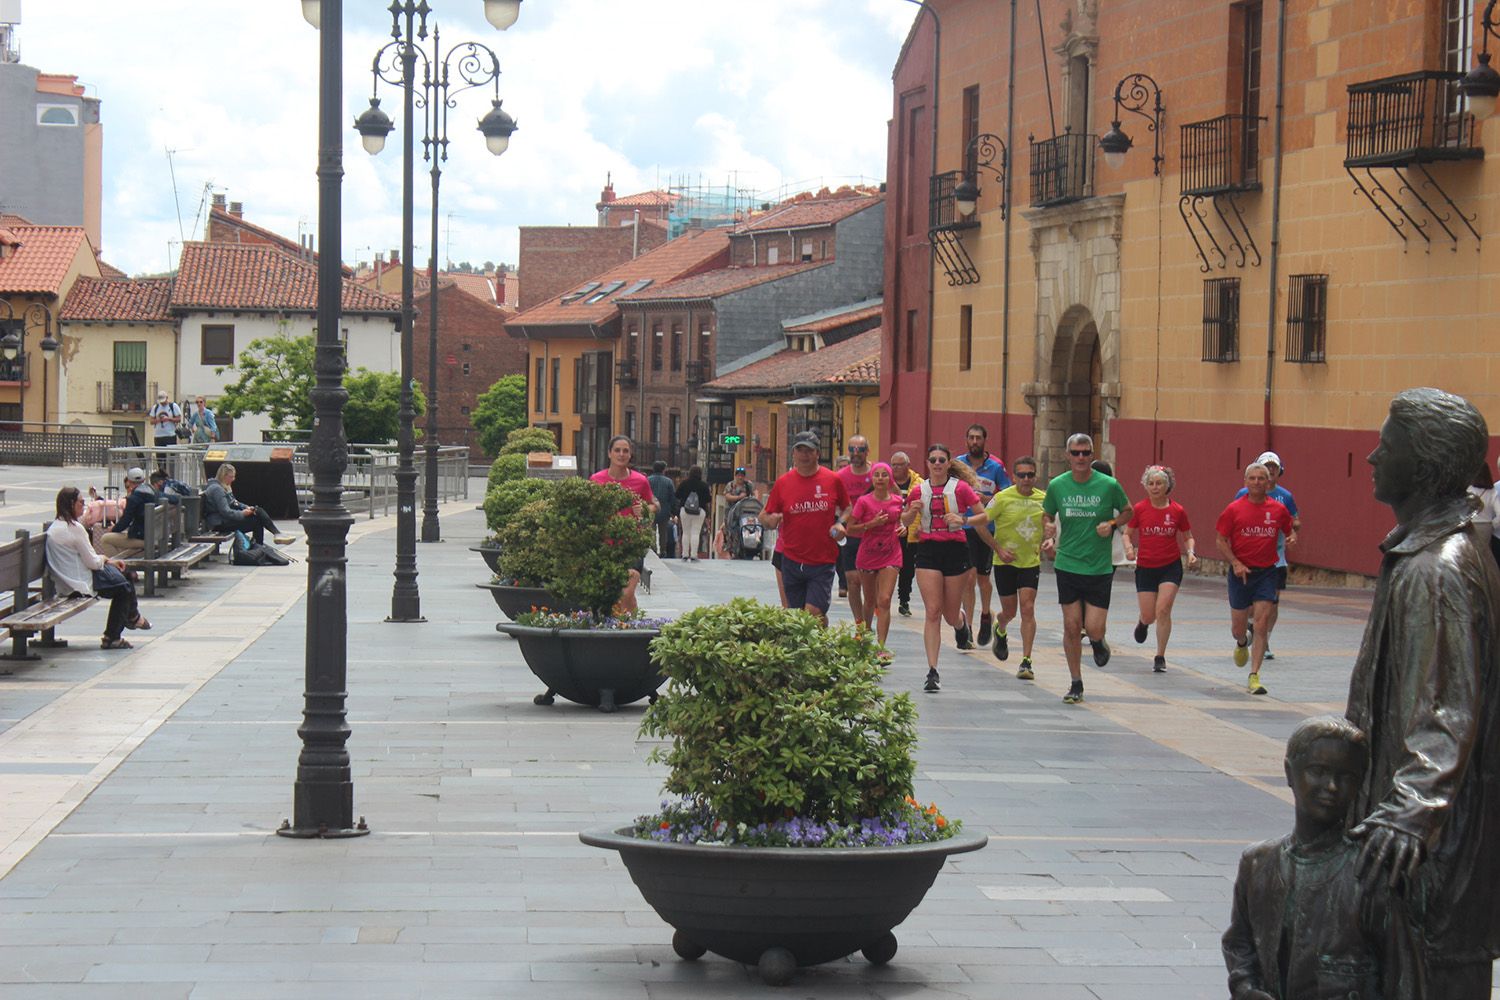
473, 354
554, 259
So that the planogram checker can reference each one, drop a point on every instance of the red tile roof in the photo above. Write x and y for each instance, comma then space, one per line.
813, 212
855, 361
720, 282
688, 254
226, 227
110, 271
478, 285
257, 277
118, 300
835, 321
39, 258
642, 200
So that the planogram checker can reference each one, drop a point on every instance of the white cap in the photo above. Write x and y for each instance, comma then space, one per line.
1271, 458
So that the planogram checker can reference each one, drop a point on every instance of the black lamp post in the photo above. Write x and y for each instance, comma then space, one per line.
13, 346
984, 148
474, 65
1481, 85
1131, 94
323, 797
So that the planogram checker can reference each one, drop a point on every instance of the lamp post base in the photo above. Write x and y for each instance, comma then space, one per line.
322, 832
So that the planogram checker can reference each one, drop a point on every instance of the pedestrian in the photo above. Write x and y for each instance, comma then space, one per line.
856, 478
1156, 539
903, 481
165, 416
1246, 538
201, 424
693, 499
664, 491
128, 536
992, 477
1084, 508
942, 505
1283, 496
223, 512
839, 462
78, 570
876, 523
1019, 520
619, 472
808, 506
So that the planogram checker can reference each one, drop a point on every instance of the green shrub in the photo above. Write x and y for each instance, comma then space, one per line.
507, 468
502, 502
575, 542
770, 715
524, 439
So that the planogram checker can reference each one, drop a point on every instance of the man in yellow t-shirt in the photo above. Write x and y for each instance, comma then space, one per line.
1019, 529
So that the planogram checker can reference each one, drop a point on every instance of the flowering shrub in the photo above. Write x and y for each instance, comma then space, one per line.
690, 822
503, 501
547, 618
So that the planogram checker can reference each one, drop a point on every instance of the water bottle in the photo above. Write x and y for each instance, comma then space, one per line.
833, 533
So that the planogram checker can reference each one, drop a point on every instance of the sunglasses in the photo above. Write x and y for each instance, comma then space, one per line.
937, 461
856, 448
1026, 475
1080, 454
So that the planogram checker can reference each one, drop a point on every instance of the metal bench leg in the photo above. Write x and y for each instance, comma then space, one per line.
49, 640
18, 650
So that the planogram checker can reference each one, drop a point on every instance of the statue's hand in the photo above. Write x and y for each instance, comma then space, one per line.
1387, 849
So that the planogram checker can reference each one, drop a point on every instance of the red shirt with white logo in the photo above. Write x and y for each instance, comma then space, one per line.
1156, 532
1252, 528
809, 506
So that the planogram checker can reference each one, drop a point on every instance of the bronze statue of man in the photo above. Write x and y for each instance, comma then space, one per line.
1426, 688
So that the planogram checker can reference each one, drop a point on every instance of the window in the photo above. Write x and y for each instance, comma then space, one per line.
656, 351
1307, 319
971, 130
634, 336
1078, 95
915, 173
677, 350
1458, 45
130, 376
773, 255
56, 114
601, 293
825, 250
965, 337
466, 347
630, 424
578, 386
466, 368
464, 410
218, 345
674, 428
1221, 320
541, 386
556, 382
1244, 76
807, 251
655, 427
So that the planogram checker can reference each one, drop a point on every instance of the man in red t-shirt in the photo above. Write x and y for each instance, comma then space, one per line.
1246, 538
809, 504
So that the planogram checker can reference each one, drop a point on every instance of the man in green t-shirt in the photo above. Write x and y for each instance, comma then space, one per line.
1018, 532
1084, 509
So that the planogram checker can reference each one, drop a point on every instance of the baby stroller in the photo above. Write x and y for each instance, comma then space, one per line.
742, 536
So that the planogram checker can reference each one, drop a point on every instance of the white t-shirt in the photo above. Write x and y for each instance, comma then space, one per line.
71, 558
171, 414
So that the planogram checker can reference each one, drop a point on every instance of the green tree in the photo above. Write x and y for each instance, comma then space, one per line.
523, 440
372, 414
500, 410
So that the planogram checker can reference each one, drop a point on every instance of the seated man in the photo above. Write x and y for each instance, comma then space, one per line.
128, 539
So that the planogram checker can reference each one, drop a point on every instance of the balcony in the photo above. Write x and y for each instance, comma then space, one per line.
17, 369
125, 396
943, 228
1221, 155
942, 212
627, 372
1062, 169
1410, 119
698, 372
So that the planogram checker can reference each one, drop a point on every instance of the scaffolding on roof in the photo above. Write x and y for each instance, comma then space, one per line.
696, 205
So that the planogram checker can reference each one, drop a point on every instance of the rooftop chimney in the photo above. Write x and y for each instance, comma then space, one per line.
237, 209
608, 194
395, 257
219, 201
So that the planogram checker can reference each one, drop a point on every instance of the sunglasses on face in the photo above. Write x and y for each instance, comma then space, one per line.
1026, 475
937, 461
854, 448
1080, 454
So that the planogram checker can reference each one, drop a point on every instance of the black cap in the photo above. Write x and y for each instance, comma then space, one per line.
807, 439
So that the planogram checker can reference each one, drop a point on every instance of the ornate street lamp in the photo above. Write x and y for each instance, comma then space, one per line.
1481, 85
323, 796
1131, 94
13, 345
444, 75
984, 147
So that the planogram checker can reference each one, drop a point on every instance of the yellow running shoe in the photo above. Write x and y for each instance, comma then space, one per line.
1254, 687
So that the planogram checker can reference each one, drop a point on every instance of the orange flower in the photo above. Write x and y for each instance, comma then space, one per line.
932, 809
665, 825
941, 822
910, 801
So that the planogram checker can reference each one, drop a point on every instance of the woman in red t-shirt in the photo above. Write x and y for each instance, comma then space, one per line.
1155, 538
942, 552
876, 521
619, 473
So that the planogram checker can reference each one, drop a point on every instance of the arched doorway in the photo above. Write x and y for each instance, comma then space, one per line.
1075, 401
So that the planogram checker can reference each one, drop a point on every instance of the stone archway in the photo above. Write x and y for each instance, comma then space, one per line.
1075, 400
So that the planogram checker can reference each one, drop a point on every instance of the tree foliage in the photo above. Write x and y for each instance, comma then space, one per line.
524, 440
500, 410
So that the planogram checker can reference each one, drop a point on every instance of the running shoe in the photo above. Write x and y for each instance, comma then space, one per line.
1268, 655
1002, 645
985, 624
1025, 673
961, 634
1242, 651
1159, 664
904, 609
1075, 694
1101, 652
932, 680
1255, 687
1140, 631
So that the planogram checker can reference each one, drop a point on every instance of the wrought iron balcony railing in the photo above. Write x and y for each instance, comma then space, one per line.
942, 213
1417, 117
125, 397
17, 369
627, 371
1221, 155
1062, 169
697, 372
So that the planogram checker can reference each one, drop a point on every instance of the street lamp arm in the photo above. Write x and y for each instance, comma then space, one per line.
389, 65
1133, 98
986, 147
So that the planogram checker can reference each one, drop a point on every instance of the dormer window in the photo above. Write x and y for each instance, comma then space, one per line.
56, 114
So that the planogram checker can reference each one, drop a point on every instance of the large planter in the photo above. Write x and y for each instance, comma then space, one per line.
490, 554
782, 907
601, 667
513, 601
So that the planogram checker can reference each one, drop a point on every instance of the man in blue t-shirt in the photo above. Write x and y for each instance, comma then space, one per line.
992, 479
1272, 462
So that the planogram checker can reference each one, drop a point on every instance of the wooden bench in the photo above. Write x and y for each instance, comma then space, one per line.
23, 566
168, 552
197, 531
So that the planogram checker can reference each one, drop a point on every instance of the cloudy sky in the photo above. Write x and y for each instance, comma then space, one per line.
774, 95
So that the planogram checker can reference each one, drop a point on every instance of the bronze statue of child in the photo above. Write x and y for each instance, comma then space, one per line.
1302, 928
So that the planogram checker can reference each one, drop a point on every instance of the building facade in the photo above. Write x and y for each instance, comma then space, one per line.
119, 347
39, 266
51, 150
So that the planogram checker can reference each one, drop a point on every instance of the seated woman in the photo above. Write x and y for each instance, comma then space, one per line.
224, 514
79, 570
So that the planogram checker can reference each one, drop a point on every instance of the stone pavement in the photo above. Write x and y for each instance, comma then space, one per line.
153, 782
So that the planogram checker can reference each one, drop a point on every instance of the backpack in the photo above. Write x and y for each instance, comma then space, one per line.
692, 505
950, 489
260, 555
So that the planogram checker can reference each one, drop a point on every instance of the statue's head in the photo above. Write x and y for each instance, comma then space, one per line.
1326, 758
1430, 447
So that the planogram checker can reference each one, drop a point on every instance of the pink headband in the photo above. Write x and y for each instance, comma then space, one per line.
882, 465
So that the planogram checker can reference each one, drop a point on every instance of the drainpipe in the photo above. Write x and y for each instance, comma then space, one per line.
1010, 141
635, 242
1266, 430
937, 55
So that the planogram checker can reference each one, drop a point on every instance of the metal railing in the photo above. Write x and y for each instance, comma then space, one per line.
942, 210
627, 371
1062, 169
114, 398
697, 372
16, 369
1221, 154
1412, 118
60, 444
677, 456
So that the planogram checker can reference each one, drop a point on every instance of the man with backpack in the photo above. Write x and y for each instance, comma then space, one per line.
164, 417
693, 501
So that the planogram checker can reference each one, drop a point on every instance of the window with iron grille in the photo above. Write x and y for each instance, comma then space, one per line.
1221, 320
541, 385
1307, 319
677, 350
556, 383
656, 351
971, 130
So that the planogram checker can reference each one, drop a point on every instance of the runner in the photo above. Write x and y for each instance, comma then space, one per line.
992, 478
1016, 513
856, 479
903, 481
807, 505
1155, 540
1283, 496
876, 522
1246, 539
620, 473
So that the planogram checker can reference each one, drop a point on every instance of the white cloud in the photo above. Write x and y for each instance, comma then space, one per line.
717, 92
